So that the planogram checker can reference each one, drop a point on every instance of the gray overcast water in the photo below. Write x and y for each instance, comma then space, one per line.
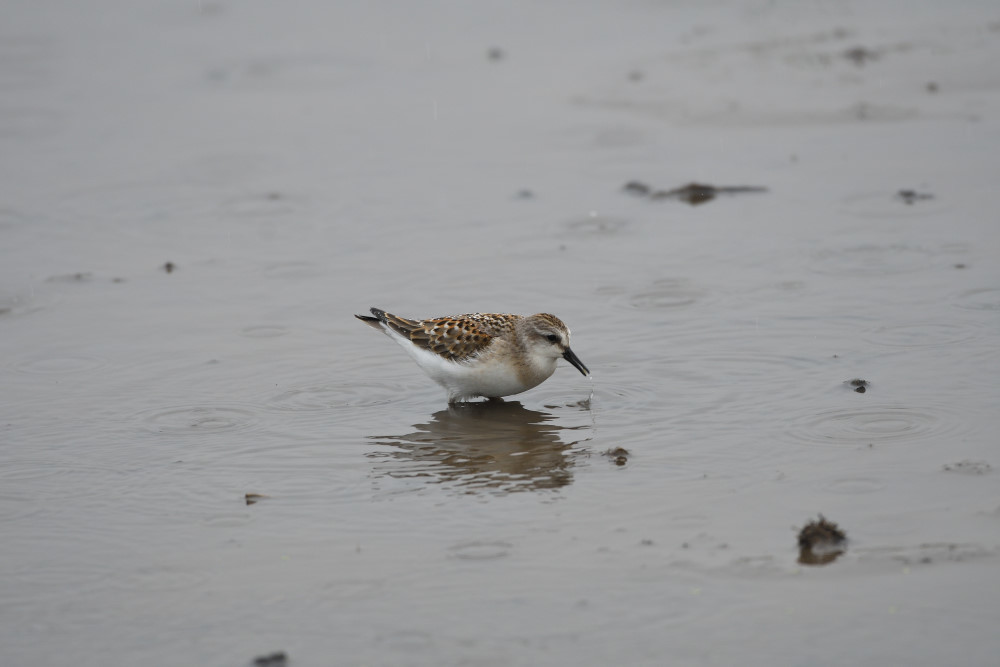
297, 163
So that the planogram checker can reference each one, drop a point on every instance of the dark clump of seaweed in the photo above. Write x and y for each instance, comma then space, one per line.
820, 542
276, 659
911, 196
692, 193
858, 385
618, 455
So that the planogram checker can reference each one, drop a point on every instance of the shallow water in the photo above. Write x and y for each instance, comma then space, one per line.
297, 166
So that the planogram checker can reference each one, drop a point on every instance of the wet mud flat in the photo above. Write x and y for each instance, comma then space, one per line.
787, 449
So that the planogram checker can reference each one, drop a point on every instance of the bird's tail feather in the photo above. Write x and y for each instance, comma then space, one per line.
373, 322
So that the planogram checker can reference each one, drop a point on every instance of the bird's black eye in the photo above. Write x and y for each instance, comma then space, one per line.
552, 338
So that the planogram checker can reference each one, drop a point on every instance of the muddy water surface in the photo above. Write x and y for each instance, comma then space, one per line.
297, 167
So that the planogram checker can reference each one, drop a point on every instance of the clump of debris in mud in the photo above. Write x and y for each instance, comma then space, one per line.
910, 196
858, 385
821, 542
692, 193
618, 455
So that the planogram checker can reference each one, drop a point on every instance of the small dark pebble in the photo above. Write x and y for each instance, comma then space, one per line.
636, 188
859, 55
253, 498
646, 543
692, 193
859, 385
169, 267
635, 75
525, 194
960, 266
911, 196
619, 455
495, 54
932, 87
821, 542
274, 196
276, 659
117, 280
82, 277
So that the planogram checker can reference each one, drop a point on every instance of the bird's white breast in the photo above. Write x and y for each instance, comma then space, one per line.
488, 375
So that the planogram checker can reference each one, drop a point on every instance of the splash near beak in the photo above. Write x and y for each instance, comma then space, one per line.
573, 359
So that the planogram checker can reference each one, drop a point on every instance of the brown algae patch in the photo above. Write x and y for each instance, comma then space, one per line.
858, 385
637, 188
860, 55
909, 197
618, 455
693, 193
276, 659
821, 542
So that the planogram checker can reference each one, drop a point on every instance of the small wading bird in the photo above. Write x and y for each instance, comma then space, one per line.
482, 354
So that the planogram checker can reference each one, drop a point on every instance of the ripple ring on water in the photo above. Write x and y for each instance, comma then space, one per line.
199, 419
264, 331
597, 225
986, 298
667, 294
332, 398
871, 426
921, 334
59, 364
871, 260
481, 550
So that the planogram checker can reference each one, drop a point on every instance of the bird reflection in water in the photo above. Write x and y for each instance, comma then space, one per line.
494, 447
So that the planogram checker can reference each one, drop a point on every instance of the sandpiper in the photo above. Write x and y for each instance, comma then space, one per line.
482, 354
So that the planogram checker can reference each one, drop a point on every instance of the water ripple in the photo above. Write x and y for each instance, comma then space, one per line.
132, 202
481, 550
291, 270
264, 331
851, 486
667, 293
332, 398
60, 364
159, 579
199, 419
259, 206
984, 298
597, 225
871, 260
892, 205
874, 425
922, 334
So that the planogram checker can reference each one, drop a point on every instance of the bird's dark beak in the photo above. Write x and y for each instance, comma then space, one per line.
573, 359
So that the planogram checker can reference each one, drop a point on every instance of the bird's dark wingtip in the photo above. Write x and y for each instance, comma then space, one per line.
370, 321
